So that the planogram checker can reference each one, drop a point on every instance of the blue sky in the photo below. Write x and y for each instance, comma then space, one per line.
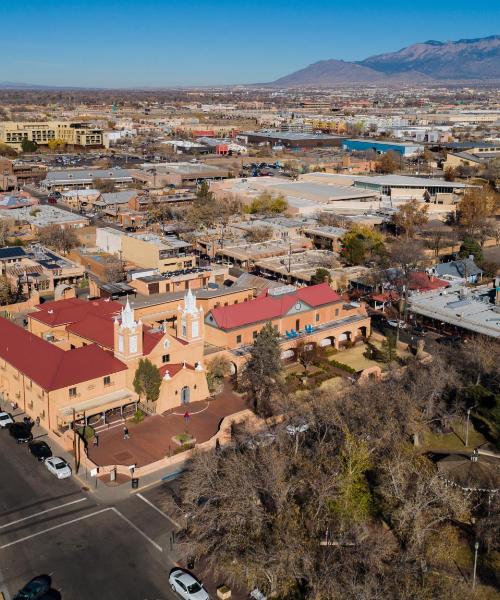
113, 43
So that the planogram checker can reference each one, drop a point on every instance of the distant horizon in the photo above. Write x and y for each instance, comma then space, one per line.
166, 44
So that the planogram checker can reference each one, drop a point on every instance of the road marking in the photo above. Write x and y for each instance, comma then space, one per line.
157, 546
33, 535
163, 514
42, 512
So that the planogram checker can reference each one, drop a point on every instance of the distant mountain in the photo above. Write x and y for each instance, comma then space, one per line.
477, 59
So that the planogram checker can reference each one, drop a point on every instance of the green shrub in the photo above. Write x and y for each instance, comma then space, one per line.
138, 416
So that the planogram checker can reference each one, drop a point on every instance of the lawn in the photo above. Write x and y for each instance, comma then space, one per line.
454, 442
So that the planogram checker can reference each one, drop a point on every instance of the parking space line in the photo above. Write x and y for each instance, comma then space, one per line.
33, 535
42, 512
157, 546
163, 514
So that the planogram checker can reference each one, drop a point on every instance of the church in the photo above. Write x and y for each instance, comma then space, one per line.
77, 359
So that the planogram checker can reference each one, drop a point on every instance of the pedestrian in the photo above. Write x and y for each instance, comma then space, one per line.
38, 421
125, 433
187, 416
96, 440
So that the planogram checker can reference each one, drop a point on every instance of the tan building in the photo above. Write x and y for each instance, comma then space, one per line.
163, 254
78, 359
13, 133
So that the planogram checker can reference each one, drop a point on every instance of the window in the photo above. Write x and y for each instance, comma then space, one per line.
254, 334
72, 392
107, 380
238, 339
336, 312
165, 358
317, 318
297, 324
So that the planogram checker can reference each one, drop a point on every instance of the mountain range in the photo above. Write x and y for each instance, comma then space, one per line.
426, 62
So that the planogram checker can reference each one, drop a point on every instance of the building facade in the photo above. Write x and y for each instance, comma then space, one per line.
13, 133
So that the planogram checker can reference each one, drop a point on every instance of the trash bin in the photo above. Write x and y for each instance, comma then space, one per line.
135, 483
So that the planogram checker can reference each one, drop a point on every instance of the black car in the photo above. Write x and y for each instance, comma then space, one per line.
40, 450
21, 432
35, 589
451, 340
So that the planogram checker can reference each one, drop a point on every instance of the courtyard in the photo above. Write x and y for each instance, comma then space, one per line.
151, 439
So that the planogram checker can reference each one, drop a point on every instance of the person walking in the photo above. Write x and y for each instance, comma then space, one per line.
125, 433
96, 440
38, 421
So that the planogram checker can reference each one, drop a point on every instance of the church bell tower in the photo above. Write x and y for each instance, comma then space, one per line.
190, 319
127, 335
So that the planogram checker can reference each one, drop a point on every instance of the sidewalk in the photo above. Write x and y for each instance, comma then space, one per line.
103, 493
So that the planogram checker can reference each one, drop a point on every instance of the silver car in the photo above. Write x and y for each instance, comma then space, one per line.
186, 586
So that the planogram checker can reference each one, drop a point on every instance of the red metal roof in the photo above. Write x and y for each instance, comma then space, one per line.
423, 282
49, 366
100, 329
71, 310
268, 307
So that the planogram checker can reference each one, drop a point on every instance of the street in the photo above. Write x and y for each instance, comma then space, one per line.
90, 549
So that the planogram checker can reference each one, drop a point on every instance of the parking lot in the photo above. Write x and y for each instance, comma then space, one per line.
89, 548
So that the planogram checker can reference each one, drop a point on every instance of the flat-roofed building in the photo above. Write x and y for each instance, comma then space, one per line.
13, 133
66, 179
289, 139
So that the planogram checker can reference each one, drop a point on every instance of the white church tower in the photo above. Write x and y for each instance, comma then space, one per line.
127, 334
190, 319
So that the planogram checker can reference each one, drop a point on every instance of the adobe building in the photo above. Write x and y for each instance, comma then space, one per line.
315, 314
77, 361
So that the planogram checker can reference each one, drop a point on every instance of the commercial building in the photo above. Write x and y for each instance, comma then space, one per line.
291, 140
13, 133
364, 145
158, 175
41, 215
67, 179
163, 254
315, 314
38, 269
460, 309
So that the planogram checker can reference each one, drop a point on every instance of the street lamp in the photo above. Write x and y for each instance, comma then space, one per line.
467, 428
476, 548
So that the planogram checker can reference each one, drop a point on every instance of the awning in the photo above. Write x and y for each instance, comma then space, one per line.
105, 402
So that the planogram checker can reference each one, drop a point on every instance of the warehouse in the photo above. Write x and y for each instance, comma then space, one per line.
289, 139
382, 147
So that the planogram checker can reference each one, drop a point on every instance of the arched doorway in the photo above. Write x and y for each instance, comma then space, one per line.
328, 342
185, 394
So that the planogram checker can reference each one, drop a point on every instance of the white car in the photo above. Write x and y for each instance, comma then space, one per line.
58, 467
186, 586
394, 323
5, 419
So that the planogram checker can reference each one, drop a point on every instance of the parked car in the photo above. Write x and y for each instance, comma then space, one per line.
394, 323
449, 340
58, 467
21, 432
186, 586
5, 419
40, 450
35, 589
419, 330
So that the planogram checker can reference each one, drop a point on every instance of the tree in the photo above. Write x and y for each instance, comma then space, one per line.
217, 369
147, 380
259, 233
105, 186
4, 232
6, 296
62, 239
361, 243
308, 353
476, 207
57, 144
321, 276
113, 271
411, 216
6, 150
470, 247
267, 203
389, 348
262, 373
388, 163
28, 146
